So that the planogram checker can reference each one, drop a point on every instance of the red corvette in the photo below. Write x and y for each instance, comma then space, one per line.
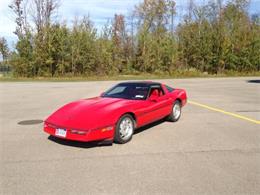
116, 113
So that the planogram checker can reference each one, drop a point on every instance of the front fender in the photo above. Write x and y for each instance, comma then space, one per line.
117, 114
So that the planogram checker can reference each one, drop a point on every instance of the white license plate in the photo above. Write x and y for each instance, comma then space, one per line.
61, 132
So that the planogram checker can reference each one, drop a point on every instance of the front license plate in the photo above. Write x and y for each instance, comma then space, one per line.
61, 132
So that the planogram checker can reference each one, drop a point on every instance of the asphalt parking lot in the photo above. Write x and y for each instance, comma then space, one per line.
209, 151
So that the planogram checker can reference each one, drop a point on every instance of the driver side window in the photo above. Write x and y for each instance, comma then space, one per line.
156, 92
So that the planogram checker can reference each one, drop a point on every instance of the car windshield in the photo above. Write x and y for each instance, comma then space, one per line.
134, 91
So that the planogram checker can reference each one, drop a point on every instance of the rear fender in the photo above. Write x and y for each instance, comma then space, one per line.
179, 94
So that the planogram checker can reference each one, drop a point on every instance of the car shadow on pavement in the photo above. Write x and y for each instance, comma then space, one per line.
79, 144
146, 127
30, 122
254, 81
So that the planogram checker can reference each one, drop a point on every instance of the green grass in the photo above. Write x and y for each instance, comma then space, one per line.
142, 76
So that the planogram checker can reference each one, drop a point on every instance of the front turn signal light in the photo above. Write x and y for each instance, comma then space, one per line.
107, 129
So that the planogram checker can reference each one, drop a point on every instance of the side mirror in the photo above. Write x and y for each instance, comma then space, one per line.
102, 94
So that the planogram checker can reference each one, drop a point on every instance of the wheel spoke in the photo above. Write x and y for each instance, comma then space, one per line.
176, 111
126, 128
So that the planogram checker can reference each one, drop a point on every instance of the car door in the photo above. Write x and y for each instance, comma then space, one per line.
155, 108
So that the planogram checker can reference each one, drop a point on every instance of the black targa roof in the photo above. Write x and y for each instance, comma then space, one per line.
141, 83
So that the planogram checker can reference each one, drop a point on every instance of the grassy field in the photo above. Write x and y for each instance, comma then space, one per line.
144, 76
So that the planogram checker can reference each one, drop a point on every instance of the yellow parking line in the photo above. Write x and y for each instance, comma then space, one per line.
224, 112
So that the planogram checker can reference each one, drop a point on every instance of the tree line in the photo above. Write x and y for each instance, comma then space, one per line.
214, 37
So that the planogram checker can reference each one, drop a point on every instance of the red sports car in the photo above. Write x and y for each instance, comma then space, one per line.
115, 114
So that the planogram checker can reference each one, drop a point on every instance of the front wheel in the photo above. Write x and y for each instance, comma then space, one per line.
124, 129
176, 112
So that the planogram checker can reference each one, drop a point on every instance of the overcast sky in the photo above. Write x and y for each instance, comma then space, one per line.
99, 10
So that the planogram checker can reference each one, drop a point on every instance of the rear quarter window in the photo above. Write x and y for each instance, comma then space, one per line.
170, 89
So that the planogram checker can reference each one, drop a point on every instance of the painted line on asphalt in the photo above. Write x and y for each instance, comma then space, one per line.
224, 112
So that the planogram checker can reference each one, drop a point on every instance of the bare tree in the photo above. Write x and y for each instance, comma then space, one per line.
190, 9
132, 24
42, 12
171, 9
19, 7
119, 37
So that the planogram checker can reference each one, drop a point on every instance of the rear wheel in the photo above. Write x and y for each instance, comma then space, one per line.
176, 111
124, 129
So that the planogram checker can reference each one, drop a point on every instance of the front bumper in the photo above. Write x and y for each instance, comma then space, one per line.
82, 135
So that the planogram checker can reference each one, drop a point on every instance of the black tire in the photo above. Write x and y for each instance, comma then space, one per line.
173, 117
118, 137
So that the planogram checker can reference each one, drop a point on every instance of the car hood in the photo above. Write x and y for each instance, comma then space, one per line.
88, 114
